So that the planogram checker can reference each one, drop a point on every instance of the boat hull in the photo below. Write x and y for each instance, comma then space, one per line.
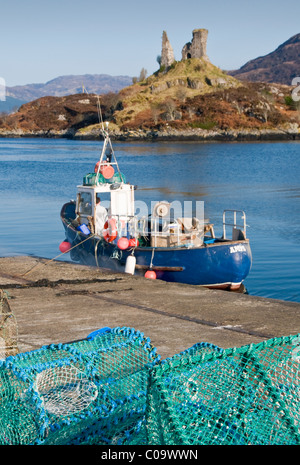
222, 264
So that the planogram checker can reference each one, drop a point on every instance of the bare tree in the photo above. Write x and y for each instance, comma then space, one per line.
181, 94
155, 110
143, 74
169, 107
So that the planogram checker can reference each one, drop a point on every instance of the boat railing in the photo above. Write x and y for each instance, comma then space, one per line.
238, 229
181, 232
178, 232
164, 234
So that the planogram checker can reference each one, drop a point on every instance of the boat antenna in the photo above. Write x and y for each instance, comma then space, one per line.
100, 113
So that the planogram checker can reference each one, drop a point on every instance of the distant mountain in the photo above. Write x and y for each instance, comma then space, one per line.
280, 66
10, 104
69, 85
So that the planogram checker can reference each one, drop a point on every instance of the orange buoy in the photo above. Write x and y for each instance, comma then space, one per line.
133, 242
150, 274
123, 243
107, 171
64, 246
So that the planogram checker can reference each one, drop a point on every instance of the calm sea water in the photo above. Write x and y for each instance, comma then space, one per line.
38, 175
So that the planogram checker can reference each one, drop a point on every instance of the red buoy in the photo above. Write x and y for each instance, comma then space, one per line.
150, 274
64, 246
107, 171
133, 242
123, 243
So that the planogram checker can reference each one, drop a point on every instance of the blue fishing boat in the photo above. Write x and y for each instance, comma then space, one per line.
158, 244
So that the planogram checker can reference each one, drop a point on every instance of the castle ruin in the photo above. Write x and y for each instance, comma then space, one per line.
197, 47
194, 49
167, 54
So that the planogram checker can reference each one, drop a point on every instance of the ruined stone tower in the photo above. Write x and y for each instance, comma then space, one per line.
167, 54
196, 48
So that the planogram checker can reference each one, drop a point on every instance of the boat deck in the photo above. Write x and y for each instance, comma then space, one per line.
56, 301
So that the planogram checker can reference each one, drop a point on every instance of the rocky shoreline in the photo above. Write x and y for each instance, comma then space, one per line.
170, 134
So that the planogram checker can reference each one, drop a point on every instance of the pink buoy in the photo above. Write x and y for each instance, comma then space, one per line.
133, 242
123, 243
64, 246
107, 171
150, 274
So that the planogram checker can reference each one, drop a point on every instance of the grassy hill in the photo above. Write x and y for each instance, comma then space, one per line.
196, 94
160, 96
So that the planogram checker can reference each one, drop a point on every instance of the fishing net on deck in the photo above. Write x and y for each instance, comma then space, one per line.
247, 395
86, 392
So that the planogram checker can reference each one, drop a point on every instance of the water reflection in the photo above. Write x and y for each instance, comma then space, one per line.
173, 192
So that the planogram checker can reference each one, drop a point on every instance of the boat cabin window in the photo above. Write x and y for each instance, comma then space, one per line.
105, 199
85, 203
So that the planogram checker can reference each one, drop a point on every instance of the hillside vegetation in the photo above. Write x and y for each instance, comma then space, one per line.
191, 95
194, 93
160, 95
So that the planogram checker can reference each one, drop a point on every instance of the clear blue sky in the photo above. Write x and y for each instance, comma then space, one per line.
41, 40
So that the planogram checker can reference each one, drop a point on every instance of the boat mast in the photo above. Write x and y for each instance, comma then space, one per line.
107, 142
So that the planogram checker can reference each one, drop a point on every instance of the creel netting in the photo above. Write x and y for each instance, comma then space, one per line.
89, 392
207, 395
113, 388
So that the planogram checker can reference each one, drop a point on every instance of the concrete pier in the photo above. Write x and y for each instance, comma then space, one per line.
55, 301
